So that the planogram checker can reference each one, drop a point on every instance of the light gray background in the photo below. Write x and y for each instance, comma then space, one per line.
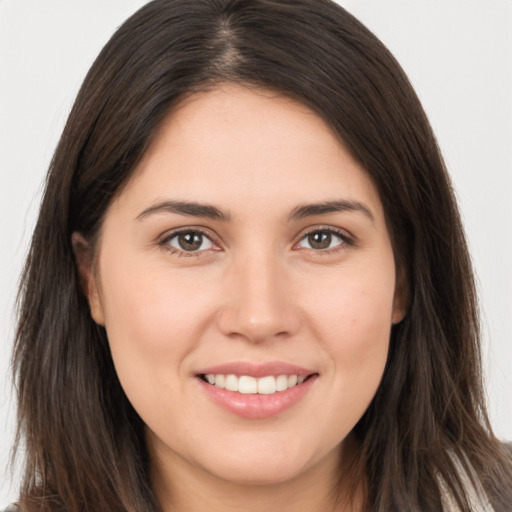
458, 54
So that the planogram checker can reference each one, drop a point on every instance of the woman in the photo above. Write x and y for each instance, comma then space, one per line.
248, 287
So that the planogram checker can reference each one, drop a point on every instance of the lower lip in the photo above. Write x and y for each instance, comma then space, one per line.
256, 406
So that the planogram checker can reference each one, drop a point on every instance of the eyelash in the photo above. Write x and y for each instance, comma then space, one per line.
194, 254
347, 241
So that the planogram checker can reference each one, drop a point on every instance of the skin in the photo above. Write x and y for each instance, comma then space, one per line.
257, 290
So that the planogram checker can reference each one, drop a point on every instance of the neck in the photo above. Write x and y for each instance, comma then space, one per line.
182, 487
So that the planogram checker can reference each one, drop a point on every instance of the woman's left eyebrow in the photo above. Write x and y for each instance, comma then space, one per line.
185, 208
341, 205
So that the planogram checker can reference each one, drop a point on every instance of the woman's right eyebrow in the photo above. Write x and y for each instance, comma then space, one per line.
185, 208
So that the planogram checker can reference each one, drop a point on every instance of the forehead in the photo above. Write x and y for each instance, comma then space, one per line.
248, 147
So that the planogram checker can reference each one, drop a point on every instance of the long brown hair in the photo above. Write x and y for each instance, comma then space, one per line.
83, 441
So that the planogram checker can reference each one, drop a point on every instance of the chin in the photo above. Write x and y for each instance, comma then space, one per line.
260, 466
267, 475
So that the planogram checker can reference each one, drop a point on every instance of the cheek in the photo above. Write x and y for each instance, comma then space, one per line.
153, 319
363, 324
354, 304
153, 309
353, 319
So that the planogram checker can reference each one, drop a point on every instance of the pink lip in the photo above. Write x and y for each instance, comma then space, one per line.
257, 370
255, 406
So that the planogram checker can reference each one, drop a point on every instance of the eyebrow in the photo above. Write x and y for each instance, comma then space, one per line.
185, 208
309, 210
212, 212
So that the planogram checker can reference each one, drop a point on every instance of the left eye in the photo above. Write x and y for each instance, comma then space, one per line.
321, 240
189, 241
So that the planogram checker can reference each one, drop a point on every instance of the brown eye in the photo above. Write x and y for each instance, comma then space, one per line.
190, 241
321, 240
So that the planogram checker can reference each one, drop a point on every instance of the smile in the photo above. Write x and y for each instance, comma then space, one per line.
246, 384
256, 391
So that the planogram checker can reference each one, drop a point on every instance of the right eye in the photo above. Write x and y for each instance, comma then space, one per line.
188, 242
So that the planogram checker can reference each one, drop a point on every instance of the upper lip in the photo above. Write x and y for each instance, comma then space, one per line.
256, 370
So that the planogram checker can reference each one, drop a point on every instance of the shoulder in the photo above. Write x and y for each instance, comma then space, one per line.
477, 502
475, 494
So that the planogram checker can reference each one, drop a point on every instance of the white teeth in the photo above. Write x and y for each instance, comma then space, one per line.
282, 383
247, 385
250, 385
266, 385
231, 383
220, 381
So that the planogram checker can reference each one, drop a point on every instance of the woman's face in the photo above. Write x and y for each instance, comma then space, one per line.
248, 251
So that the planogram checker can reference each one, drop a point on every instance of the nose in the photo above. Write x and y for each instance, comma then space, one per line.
260, 304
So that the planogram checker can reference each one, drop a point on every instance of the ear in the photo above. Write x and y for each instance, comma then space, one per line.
84, 259
401, 298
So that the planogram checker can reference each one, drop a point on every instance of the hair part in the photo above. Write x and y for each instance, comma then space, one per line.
84, 443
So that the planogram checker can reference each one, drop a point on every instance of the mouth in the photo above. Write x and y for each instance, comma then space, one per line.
249, 385
257, 391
